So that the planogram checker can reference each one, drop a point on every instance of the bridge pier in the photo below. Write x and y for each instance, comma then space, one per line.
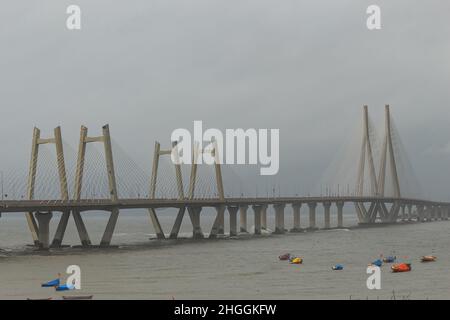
43, 219
296, 213
443, 212
420, 213
340, 216
243, 218
326, 207
428, 210
109, 231
257, 213
433, 215
410, 212
61, 230
218, 222
403, 208
264, 217
312, 216
197, 232
232, 210
221, 217
279, 218
177, 225
81, 228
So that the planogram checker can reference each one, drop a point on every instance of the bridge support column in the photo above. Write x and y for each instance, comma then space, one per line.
340, 216
81, 228
177, 225
410, 212
434, 210
312, 216
218, 222
403, 212
197, 232
447, 209
257, 213
264, 217
326, 207
221, 217
430, 213
420, 213
43, 219
110, 226
61, 229
296, 213
233, 220
243, 218
279, 218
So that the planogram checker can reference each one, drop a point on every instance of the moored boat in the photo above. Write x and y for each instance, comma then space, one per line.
428, 258
401, 267
296, 260
285, 256
389, 259
77, 297
377, 263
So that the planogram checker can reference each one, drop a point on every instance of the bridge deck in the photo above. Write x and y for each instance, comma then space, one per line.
106, 204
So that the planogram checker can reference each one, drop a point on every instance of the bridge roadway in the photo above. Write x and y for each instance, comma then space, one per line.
108, 205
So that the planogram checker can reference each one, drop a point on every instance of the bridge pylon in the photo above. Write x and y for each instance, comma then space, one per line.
153, 184
388, 149
105, 139
377, 183
366, 155
36, 142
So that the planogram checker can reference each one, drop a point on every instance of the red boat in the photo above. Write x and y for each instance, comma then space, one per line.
401, 267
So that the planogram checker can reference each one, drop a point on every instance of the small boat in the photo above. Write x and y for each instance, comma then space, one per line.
337, 267
52, 283
428, 258
77, 297
401, 267
296, 260
285, 256
389, 259
377, 263
50, 298
65, 287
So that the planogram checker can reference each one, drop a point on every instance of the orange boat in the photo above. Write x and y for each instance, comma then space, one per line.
401, 267
428, 259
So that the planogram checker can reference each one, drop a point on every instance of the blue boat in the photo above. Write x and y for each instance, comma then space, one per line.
53, 283
389, 259
377, 263
338, 267
65, 287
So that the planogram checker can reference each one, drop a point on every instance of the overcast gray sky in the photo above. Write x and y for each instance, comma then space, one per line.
305, 67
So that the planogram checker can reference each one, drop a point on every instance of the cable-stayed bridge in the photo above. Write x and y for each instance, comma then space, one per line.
110, 181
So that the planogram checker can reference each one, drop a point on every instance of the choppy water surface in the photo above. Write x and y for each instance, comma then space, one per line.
239, 268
